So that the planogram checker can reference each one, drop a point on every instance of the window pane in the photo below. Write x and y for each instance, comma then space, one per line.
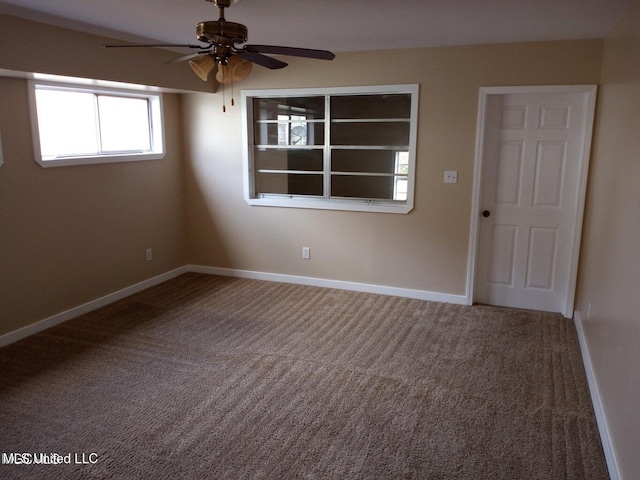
293, 129
372, 161
289, 184
289, 133
288, 159
402, 162
401, 188
66, 123
371, 106
362, 186
269, 108
370, 133
124, 124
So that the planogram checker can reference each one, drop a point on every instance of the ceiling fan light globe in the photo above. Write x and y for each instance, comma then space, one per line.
202, 66
235, 70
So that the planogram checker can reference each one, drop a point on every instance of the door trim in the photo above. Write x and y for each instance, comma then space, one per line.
590, 91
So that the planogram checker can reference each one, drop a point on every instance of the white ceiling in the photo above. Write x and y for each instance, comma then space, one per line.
337, 25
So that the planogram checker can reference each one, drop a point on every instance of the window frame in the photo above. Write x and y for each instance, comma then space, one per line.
328, 202
156, 124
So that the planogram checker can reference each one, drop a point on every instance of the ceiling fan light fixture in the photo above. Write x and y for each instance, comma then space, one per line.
235, 70
202, 66
225, 46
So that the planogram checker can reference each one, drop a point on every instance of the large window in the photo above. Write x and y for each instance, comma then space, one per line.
79, 124
335, 148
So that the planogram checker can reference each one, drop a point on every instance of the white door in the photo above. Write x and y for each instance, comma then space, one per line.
534, 154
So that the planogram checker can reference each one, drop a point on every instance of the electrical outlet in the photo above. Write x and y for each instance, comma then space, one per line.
306, 253
149, 254
451, 176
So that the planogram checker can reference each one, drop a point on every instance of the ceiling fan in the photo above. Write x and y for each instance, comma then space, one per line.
225, 48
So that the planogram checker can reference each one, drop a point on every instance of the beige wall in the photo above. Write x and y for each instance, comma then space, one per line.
69, 235
27, 46
609, 278
425, 249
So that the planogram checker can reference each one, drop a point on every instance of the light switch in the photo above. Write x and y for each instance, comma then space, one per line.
451, 176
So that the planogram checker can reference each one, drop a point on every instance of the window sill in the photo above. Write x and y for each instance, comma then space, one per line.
98, 159
320, 204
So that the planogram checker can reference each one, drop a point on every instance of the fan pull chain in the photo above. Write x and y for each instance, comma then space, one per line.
224, 107
232, 102
224, 82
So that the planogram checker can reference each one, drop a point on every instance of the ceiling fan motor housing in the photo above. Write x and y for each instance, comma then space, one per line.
221, 33
221, 3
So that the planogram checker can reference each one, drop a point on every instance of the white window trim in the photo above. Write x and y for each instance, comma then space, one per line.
293, 201
157, 124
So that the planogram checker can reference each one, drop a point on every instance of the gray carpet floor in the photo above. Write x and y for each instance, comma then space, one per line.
223, 378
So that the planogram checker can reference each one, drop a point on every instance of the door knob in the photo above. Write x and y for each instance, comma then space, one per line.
486, 213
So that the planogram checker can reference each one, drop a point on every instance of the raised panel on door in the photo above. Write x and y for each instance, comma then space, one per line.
509, 170
503, 247
541, 259
550, 161
554, 117
513, 117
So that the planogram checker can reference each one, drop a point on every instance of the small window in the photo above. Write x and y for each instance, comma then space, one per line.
77, 124
335, 148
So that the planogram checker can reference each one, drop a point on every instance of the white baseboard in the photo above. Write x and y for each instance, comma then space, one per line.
24, 332
603, 426
340, 284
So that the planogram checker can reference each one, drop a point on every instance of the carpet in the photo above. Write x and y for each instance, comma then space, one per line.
207, 377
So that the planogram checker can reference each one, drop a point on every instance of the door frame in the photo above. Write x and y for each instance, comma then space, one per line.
590, 91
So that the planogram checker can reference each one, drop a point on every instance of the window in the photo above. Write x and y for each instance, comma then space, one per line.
80, 124
334, 148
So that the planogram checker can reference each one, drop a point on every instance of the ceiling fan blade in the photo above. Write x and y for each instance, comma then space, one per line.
185, 57
292, 51
138, 45
260, 59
